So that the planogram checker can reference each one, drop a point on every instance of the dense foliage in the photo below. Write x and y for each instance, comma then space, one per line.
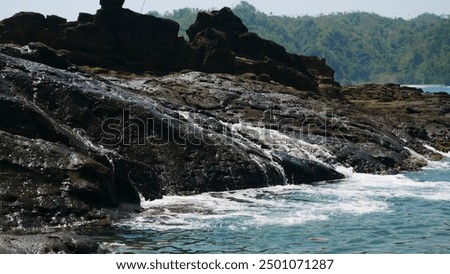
361, 47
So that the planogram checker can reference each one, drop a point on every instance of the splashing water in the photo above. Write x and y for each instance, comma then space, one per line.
406, 213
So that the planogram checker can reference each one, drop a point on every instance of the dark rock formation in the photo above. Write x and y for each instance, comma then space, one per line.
114, 38
37, 52
226, 46
357, 130
80, 146
119, 39
408, 113
297, 169
223, 21
111, 4
61, 164
52, 243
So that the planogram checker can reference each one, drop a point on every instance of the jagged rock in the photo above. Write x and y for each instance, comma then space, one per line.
54, 185
84, 18
124, 40
22, 28
37, 52
114, 38
111, 4
223, 21
119, 39
221, 35
54, 21
217, 55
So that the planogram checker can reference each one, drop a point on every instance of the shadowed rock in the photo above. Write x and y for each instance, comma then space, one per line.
120, 39
111, 4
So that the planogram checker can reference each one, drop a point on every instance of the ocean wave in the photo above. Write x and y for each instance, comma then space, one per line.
288, 205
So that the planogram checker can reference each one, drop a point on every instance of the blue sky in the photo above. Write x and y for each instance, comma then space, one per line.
391, 8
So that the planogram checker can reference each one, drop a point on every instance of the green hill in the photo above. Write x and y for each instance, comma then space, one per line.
361, 47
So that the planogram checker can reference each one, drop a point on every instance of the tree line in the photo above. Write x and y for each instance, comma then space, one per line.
362, 47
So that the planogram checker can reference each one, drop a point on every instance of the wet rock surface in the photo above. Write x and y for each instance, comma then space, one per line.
82, 145
61, 163
51, 243
408, 113
356, 130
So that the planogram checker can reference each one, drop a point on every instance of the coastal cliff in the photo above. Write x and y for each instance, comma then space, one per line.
100, 113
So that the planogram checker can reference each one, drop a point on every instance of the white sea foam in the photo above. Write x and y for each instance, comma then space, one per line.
431, 164
445, 154
283, 205
438, 165
415, 154
425, 86
286, 205
396, 186
282, 142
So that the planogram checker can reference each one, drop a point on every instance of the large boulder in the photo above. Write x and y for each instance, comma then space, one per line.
22, 28
302, 170
225, 45
223, 20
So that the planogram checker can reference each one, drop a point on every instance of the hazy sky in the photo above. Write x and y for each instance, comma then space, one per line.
392, 8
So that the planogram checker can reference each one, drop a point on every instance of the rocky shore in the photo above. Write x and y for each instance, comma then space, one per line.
100, 113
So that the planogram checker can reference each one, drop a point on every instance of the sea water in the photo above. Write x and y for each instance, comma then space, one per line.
432, 88
407, 213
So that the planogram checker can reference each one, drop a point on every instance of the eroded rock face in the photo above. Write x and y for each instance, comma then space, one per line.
119, 39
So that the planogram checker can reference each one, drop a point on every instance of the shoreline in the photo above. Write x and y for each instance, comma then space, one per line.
85, 137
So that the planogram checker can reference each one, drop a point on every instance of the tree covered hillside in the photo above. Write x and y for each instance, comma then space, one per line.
361, 47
